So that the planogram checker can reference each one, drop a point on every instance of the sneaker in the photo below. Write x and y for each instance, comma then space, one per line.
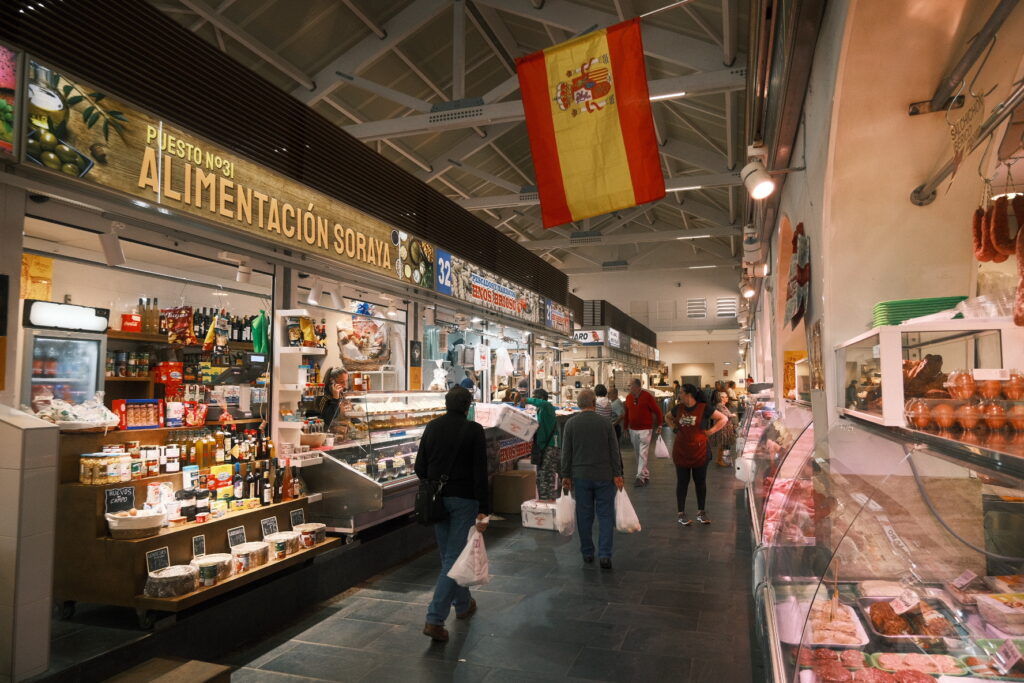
588, 559
606, 563
703, 518
684, 520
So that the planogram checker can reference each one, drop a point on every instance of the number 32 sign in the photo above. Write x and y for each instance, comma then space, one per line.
443, 272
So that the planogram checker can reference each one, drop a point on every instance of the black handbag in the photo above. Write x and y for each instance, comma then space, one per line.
429, 508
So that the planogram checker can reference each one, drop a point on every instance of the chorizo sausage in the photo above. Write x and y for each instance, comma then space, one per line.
999, 229
977, 234
988, 252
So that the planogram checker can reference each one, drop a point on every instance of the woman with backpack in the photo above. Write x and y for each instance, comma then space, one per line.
693, 421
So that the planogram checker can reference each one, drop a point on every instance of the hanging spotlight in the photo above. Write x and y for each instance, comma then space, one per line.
756, 179
111, 243
316, 290
392, 311
747, 289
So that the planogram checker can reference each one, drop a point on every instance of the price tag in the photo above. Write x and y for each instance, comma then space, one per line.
158, 559
905, 602
269, 526
985, 374
964, 580
236, 536
443, 272
198, 545
120, 499
1007, 657
298, 517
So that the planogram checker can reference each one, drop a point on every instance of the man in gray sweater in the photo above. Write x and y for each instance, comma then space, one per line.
592, 468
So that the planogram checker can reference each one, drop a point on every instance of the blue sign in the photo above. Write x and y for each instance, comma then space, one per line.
443, 272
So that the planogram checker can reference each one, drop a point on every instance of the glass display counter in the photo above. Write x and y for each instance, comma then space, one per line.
907, 565
367, 475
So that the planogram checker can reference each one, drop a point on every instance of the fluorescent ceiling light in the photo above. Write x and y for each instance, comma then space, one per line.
700, 267
684, 188
669, 96
692, 237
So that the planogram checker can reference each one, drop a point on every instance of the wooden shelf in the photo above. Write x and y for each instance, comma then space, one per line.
162, 339
114, 430
232, 582
147, 378
193, 527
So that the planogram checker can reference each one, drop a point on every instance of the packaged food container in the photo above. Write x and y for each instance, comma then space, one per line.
221, 563
311, 533
1005, 611
172, 582
258, 553
87, 463
289, 538
143, 524
1007, 583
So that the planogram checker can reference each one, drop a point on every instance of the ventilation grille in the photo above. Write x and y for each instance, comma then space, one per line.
614, 265
726, 307
585, 237
696, 308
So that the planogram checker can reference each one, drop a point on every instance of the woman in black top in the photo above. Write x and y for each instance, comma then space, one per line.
455, 447
328, 404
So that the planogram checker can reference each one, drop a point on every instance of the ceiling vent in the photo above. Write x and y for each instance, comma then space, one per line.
614, 265
696, 308
726, 307
581, 237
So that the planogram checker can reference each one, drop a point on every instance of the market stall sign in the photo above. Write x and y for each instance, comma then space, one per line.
120, 499
269, 526
236, 536
199, 545
558, 318
94, 137
158, 559
589, 337
480, 287
297, 517
613, 338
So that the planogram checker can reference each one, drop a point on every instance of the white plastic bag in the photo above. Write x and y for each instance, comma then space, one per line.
565, 514
661, 448
472, 567
625, 516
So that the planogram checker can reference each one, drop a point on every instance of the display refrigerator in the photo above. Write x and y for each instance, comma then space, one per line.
64, 351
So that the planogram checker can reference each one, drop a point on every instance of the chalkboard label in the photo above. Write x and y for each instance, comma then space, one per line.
120, 499
269, 526
158, 559
198, 545
298, 517
236, 536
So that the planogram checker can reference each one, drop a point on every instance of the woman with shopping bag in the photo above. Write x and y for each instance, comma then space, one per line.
592, 469
453, 458
693, 421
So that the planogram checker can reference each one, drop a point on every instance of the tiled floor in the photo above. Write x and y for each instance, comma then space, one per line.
676, 607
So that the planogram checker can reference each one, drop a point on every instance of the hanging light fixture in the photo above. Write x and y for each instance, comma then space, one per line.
392, 311
747, 289
756, 179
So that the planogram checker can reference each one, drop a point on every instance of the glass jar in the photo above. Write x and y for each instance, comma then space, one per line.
87, 468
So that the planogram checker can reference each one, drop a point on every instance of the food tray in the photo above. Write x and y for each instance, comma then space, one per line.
989, 646
793, 617
919, 640
998, 613
877, 663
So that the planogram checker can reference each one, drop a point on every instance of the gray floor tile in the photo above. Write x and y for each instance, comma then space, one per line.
324, 662
342, 632
523, 655
397, 672
606, 665
249, 675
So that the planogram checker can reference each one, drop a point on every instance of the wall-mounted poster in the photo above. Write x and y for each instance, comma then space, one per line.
559, 318
8, 93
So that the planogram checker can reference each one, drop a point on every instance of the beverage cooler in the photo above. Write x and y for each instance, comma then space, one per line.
64, 351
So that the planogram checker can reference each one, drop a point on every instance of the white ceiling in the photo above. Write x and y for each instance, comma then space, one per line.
404, 52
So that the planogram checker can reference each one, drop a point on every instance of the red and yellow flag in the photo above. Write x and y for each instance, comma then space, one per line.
588, 114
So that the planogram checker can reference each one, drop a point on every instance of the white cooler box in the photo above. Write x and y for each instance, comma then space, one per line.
539, 514
506, 418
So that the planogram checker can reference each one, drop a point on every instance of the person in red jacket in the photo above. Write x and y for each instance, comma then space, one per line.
643, 418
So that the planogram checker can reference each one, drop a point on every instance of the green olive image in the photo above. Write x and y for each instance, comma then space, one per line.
48, 140
71, 169
66, 154
415, 252
50, 160
33, 148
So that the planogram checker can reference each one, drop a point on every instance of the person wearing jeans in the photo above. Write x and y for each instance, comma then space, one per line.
643, 417
592, 468
454, 449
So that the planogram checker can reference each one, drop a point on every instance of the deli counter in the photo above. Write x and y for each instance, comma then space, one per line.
885, 556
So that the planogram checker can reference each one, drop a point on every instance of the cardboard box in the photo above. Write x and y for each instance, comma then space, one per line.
539, 514
511, 489
506, 418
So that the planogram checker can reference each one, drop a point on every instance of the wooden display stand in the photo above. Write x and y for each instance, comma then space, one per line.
89, 566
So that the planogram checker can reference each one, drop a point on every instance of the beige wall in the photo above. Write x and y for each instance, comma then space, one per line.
707, 359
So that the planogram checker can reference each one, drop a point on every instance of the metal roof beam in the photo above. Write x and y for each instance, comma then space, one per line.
372, 48
239, 34
465, 147
694, 155
496, 35
730, 30
458, 49
658, 42
685, 265
387, 93
723, 80
665, 233
489, 177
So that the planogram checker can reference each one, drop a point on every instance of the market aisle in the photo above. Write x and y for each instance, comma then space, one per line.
674, 608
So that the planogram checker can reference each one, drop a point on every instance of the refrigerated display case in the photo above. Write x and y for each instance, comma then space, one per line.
367, 475
913, 569
67, 365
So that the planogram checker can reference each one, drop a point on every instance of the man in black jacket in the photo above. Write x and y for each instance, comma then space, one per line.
453, 446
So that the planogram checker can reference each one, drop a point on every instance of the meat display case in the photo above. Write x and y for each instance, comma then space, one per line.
890, 553
367, 475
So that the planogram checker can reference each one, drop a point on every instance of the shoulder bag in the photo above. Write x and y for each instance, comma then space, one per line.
429, 508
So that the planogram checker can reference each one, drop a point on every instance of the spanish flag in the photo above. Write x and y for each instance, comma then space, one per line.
588, 114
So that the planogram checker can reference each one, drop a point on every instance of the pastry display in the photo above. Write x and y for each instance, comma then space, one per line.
995, 415
990, 389
1014, 387
961, 384
918, 413
840, 628
924, 377
968, 415
943, 416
